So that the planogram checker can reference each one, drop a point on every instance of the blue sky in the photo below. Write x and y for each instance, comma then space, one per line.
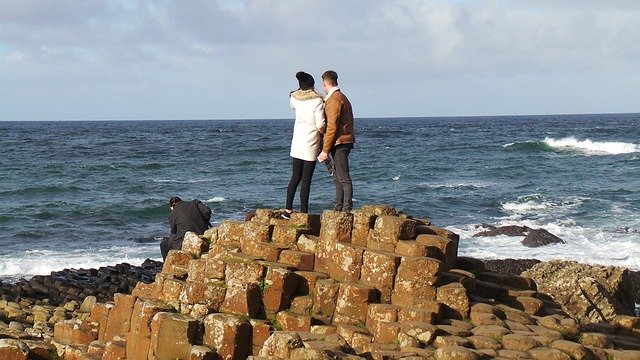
231, 59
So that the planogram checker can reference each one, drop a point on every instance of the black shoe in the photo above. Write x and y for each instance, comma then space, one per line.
286, 215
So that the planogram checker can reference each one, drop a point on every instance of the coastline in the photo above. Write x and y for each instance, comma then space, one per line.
60, 287
301, 279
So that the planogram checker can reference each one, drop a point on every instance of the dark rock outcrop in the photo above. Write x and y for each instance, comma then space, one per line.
510, 266
540, 237
76, 284
532, 237
509, 230
590, 293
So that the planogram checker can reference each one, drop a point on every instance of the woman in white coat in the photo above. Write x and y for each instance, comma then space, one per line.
306, 143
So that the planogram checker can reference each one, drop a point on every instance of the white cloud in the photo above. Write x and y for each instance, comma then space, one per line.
231, 49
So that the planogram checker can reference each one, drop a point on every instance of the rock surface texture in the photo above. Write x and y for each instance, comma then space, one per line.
371, 284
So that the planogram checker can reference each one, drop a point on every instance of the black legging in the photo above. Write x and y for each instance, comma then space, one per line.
302, 171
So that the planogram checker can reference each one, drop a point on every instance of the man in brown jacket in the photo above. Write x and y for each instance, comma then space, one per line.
338, 139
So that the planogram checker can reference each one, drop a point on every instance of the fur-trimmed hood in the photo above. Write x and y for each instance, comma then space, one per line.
304, 95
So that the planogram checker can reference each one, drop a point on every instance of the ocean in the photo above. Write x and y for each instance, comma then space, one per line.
85, 194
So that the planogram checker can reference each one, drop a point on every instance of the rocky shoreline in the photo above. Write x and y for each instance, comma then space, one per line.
374, 284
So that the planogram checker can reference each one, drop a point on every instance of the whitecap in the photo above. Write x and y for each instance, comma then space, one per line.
396, 178
43, 262
590, 147
216, 199
456, 185
190, 181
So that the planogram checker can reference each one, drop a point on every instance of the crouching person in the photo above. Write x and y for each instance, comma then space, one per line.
185, 216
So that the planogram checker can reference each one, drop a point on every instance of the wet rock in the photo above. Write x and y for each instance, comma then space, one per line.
591, 293
508, 230
540, 237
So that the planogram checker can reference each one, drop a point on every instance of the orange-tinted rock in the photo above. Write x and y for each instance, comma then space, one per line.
172, 336
100, 314
194, 244
243, 272
280, 345
391, 229
429, 312
324, 251
307, 281
280, 288
293, 322
302, 305
120, 316
307, 243
379, 270
11, 349
346, 262
171, 290
440, 248
211, 234
307, 221
381, 312
210, 295
455, 353
353, 301
336, 226
229, 335
411, 248
115, 350
287, 235
445, 233
325, 296
386, 332
177, 262
257, 232
362, 224
415, 280
266, 251
143, 312
455, 299
379, 210
261, 330
137, 346
300, 260
242, 299
230, 232
199, 352
376, 245
149, 291
75, 332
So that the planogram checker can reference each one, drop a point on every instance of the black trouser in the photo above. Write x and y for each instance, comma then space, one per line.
169, 243
302, 172
341, 177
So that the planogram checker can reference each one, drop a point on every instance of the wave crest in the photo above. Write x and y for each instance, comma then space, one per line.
587, 146
593, 147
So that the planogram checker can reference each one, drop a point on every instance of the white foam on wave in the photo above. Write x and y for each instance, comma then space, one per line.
539, 205
182, 181
583, 244
216, 199
593, 147
456, 185
612, 242
43, 262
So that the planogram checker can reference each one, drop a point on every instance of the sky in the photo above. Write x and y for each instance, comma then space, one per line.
236, 59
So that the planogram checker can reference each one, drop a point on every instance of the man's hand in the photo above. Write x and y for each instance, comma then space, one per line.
323, 157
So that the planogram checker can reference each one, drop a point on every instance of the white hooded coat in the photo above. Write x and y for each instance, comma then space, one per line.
309, 125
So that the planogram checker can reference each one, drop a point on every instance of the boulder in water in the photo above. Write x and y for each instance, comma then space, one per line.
540, 237
509, 230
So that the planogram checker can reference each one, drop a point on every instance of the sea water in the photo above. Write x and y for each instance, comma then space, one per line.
92, 193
